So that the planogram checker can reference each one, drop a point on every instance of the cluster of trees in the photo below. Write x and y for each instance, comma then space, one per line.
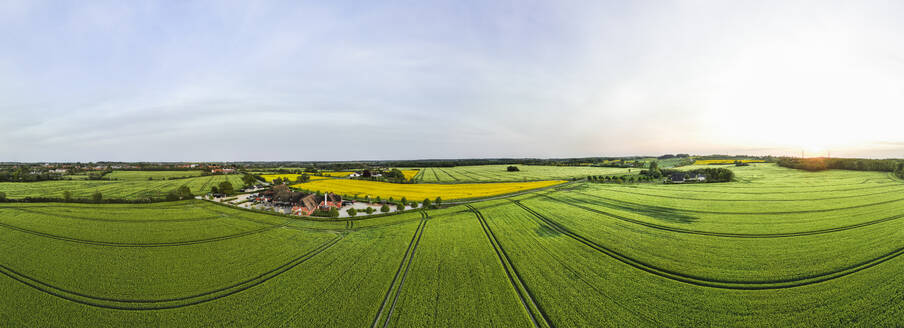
304, 177
667, 156
225, 188
857, 164
512, 169
26, 175
623, 163
181, 193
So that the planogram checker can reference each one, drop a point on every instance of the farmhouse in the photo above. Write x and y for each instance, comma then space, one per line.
301, 203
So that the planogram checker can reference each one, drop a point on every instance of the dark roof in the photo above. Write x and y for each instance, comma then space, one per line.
677, 177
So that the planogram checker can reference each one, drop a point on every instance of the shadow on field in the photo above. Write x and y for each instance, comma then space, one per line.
545, 231
656, 212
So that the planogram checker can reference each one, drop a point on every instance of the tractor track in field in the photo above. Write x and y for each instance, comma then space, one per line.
884, 185
710, 282
737, 213
75, 217
159, 244
404, 265
526, 296
450, 175
746, 200
160, 304
435, 175
728, 234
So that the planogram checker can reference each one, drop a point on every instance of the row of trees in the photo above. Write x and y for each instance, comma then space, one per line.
620, 179
856, 164
400, 206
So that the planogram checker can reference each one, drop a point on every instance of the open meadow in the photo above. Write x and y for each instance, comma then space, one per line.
779, 247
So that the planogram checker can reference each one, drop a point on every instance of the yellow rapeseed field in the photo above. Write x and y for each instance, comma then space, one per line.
725, 161
409, 173
421, 191
290, 177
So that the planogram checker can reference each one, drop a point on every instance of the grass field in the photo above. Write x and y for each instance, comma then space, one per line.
422, 190
156, 175
777, 248
498, 173
124, 189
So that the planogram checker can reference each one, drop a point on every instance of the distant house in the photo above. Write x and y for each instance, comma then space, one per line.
354, 175
676, 178
223, 171
700, 178
60, 171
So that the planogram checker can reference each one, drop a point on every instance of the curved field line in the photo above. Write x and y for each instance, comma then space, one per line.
415, 239
741, 213
75, 217
225, 291
728, 234
159, 244
527, 298
716, 283
786, 192
745, 200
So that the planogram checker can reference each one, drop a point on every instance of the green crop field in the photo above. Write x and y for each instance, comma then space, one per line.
155, 175
124, 189
498, 173
776, 248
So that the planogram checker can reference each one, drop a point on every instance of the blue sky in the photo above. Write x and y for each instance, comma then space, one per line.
333, 80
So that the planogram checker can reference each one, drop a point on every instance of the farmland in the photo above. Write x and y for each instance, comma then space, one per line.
778, 247
120, 189
148, 175
498, 173
422, 190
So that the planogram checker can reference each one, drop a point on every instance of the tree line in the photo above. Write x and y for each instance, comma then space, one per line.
855, 164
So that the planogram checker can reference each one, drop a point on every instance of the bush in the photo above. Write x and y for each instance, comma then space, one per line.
512, 169
370, 210
97, 197
384, 208
67, 196
334, 212
438, 201
351, 212
426, 203
2, 196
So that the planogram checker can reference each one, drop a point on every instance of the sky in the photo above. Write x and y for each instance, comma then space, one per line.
360, 80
